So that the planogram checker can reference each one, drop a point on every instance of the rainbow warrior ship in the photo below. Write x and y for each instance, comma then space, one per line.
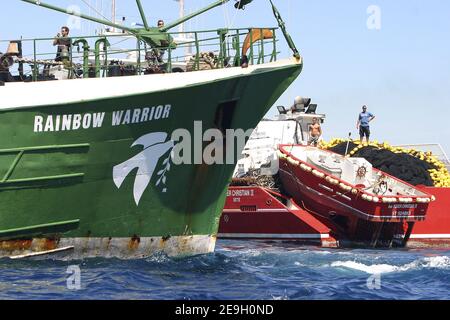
86, 140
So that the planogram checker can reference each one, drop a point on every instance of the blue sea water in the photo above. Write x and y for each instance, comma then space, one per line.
238, 270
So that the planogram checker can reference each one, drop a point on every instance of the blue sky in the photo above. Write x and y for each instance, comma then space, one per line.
401, 71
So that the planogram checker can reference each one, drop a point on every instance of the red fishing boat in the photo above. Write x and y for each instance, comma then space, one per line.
258, 213
368, 206
351, 214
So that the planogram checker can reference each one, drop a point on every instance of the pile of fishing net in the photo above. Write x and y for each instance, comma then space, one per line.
254, 178
206, 61
409, 165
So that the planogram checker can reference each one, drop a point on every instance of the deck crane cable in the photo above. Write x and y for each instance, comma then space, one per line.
226, 16
227, 19
95, 9
233, 20
100, 13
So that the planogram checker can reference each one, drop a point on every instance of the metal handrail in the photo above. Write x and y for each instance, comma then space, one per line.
226, 44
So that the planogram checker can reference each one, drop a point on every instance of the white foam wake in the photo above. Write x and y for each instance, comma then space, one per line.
439, 262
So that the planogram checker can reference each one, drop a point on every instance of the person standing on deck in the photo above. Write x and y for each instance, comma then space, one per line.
315, 132
64, 43
363, 123
161, 51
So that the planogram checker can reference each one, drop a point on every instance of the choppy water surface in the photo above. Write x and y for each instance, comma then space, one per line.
238, 270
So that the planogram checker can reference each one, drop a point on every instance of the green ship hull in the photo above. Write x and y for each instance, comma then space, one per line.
67, 183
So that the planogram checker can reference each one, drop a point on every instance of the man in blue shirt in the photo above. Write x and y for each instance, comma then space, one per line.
363, 123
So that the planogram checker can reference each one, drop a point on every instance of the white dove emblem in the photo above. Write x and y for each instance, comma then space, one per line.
154, 148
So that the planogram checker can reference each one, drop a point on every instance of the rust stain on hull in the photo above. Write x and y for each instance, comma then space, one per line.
125, 248
34, 245
134, 242
15, 245
45, 244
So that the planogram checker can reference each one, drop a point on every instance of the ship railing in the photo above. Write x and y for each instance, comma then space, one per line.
100, 56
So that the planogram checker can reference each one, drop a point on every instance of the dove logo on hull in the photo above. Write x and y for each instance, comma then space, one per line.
155, 146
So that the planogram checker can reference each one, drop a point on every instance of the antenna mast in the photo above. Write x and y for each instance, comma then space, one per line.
113, 13
181, 14
182, 29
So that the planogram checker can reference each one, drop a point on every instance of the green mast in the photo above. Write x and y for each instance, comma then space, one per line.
141, 11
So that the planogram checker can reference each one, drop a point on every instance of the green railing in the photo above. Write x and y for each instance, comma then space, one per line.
102, 56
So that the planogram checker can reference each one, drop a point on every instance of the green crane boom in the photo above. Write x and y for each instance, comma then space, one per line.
194, 14
77, 14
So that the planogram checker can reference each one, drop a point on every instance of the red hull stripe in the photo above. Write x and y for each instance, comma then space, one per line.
274, 235
430, 236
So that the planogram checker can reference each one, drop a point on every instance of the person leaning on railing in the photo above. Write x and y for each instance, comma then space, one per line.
6, 62
159, 52
64, 44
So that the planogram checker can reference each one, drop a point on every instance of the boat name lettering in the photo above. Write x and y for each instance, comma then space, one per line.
241, 193
403, 206
71, 122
